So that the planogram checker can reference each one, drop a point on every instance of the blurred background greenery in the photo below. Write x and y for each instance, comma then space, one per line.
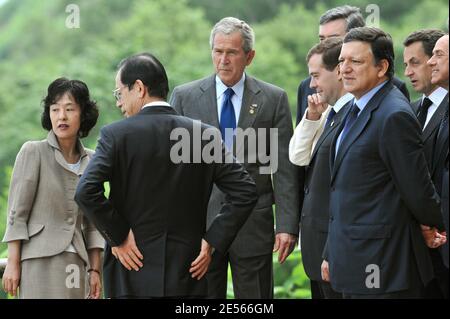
36, 47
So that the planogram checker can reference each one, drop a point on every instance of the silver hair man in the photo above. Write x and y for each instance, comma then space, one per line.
230, 25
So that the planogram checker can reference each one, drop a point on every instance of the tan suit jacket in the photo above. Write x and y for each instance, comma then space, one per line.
41, 207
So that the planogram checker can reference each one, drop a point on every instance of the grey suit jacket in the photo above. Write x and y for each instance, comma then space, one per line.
42, 212
263, 106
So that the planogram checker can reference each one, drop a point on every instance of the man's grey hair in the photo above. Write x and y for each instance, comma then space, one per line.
352, 15
230, 25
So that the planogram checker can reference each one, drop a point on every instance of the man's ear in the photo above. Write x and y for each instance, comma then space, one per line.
383, 66
250, 57
338, 72
141, 88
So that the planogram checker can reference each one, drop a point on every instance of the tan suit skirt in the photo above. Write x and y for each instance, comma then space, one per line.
62, 276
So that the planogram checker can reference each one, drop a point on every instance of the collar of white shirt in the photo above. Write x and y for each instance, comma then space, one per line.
238, 88
437, 96
342, 101
155, 103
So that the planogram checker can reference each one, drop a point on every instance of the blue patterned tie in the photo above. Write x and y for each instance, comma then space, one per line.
227, 118
349, 121
330, 117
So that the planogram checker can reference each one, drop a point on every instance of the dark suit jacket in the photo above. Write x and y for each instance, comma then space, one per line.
429, 134
304, 90
445, 191
198, 100
435, 161
380, 192
440, 173
315, 212
163, 203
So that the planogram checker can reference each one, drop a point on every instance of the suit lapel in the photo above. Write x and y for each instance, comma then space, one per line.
415, 106
53, 142
252, 102
208, 101
441, 138
357, 128
435, 120
330, 128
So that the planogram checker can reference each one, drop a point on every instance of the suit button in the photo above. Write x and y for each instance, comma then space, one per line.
11, 222
13, 212
331, 218
70, 220
333, 188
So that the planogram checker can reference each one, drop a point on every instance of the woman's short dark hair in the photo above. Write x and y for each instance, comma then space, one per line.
380, 43
147, 68
80, 92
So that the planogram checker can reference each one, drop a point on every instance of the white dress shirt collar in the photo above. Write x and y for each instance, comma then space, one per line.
437, 96
155, 103
342, 101
238, 88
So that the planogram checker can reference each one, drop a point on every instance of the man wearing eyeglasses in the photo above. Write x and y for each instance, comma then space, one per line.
154, 220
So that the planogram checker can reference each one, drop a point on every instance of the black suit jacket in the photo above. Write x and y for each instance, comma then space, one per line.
429, 135
163, 203
380, 192
444, 198
440, 173
315, 212
304, 90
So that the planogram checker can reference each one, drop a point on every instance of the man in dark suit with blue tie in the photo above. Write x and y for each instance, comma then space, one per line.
430, 109
335, 22
381, 191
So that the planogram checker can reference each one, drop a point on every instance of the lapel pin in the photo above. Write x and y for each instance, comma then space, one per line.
332, 123
253, 108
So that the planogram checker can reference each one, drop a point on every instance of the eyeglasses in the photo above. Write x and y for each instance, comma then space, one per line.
117, 94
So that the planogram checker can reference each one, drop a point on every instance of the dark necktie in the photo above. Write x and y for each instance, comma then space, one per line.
423, 111
227, 118
330, 117
349, 121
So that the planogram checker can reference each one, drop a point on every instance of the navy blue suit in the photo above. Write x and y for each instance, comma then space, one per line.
381, 192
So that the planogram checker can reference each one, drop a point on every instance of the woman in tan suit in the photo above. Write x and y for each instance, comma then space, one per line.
53, 250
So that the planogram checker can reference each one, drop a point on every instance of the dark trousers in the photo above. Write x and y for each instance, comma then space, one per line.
315, 290
438, 288
252, 276
327, 291
414, 293
323, 290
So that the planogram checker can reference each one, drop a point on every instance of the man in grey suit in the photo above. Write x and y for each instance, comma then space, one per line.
430, 109
234, 101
